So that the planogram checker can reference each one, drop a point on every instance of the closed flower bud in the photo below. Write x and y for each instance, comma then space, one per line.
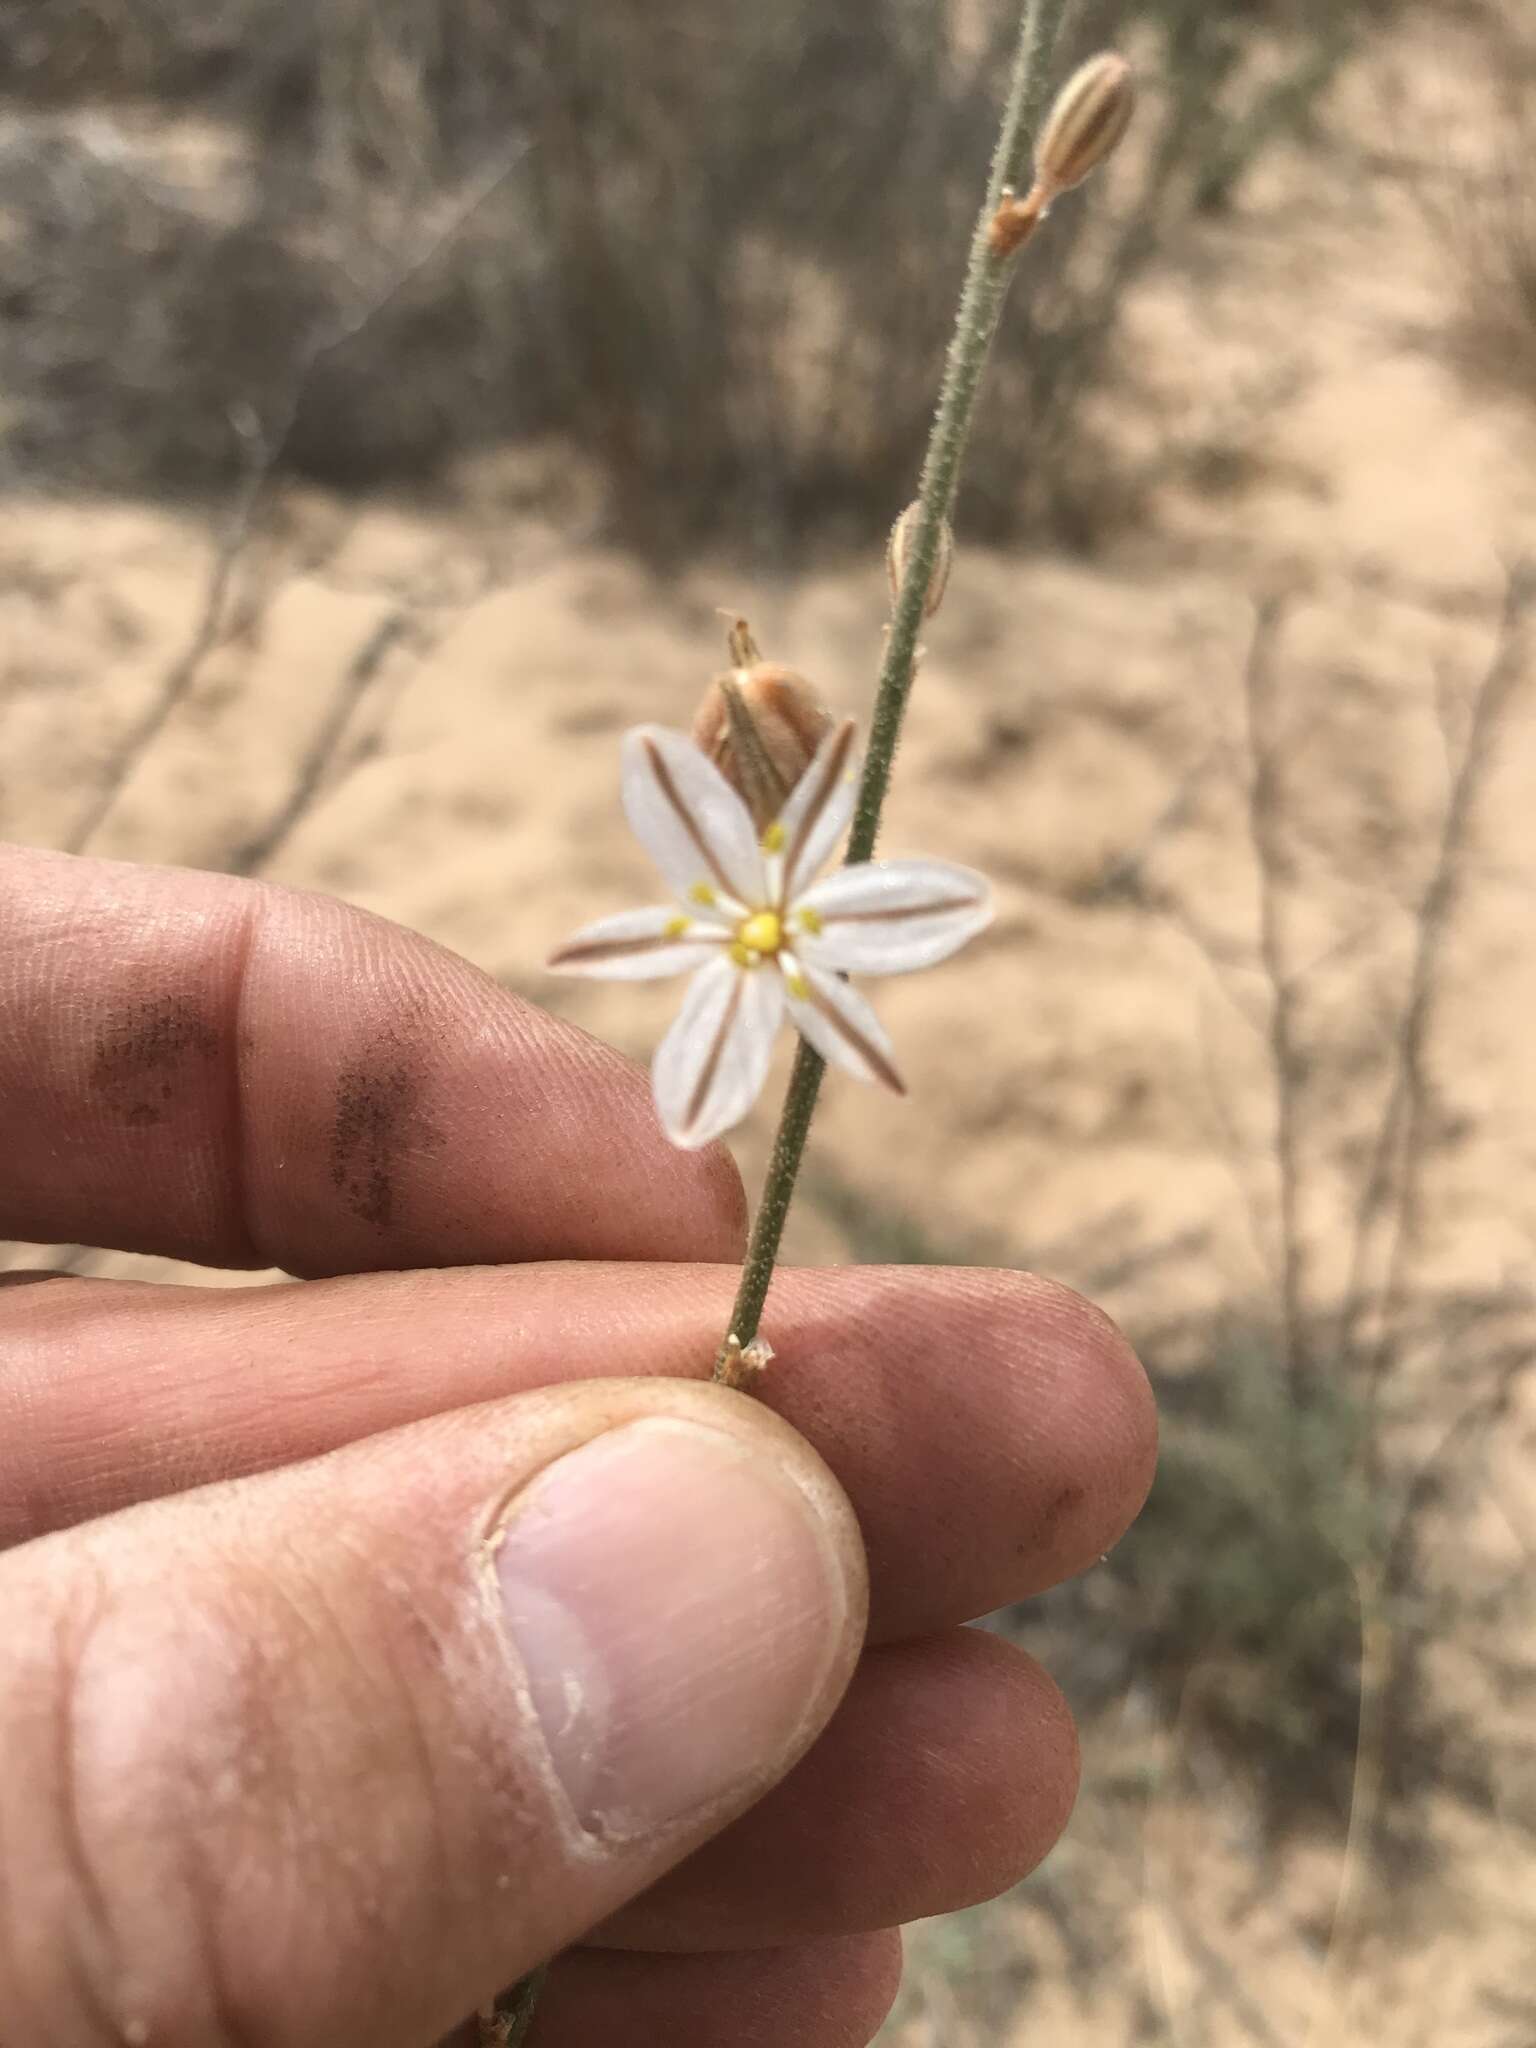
760, 724
898, 552
1092, 112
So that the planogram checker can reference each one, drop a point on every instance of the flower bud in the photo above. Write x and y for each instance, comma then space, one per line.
760, 724
898, 551
1092, 112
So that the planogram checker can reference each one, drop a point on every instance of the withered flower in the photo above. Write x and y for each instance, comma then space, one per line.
760, 724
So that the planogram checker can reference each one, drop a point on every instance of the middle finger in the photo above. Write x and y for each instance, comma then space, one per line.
994, 1432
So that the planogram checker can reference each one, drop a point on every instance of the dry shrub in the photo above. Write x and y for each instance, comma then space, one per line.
1481, 195
1327, 1440
722, 267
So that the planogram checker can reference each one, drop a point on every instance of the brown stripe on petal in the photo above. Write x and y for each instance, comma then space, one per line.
582, 954
685, 817
711, 1066
895, 916
829, 775
847, 1030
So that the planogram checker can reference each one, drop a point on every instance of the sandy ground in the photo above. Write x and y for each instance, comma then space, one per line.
1092, 1089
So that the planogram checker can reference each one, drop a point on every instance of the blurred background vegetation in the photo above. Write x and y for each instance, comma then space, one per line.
720, 263
336, 296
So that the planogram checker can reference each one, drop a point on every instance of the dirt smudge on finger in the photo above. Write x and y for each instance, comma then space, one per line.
379, 1124
143, 1053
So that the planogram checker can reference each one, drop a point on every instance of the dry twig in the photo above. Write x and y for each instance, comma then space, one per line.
1392, 1191
1276, 878
264, 445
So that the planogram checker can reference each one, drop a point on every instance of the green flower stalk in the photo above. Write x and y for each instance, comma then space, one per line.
1088, 120
744, 848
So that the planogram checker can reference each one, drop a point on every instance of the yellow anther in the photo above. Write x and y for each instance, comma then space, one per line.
744, 956
773, 838
701, 892
799, 988
810, 922
761, 933
675, 927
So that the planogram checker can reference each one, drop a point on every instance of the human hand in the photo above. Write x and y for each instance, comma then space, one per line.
368, 1639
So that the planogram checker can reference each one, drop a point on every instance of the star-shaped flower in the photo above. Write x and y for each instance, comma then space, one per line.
760, 931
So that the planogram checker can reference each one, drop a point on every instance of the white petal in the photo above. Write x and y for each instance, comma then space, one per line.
888, 916
689, 819
839, 1024
710, 1067
639, 945
819, 807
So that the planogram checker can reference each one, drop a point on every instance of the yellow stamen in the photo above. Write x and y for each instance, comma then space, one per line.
810, 922
799, 988
675, 927
744, 956
763, 933
773, 838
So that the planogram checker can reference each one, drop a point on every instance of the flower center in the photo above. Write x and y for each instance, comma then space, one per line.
760, 934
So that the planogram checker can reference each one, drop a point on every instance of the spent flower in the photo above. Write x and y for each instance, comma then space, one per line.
763, 928
760, 724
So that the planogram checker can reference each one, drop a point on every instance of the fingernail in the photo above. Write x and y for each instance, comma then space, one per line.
677, 1601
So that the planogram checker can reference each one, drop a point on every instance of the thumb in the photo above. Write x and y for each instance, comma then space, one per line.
336, 1752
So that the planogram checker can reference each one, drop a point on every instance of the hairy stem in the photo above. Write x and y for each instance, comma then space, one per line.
987, 278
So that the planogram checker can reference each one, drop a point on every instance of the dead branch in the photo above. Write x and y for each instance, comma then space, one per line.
1124, 873
1275, 868
311, 773
1220, 1976
265, 446
1227, 961
1392, 1190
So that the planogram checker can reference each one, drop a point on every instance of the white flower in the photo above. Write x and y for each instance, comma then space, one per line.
759, 929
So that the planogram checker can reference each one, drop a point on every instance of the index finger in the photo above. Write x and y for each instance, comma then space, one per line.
221, 1070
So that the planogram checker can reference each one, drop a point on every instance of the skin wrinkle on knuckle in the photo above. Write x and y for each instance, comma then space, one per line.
357, 1769
435, 1794
167, 1755
27, 1494
392, 1662
81, 1973
242, 1225
57, 1944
